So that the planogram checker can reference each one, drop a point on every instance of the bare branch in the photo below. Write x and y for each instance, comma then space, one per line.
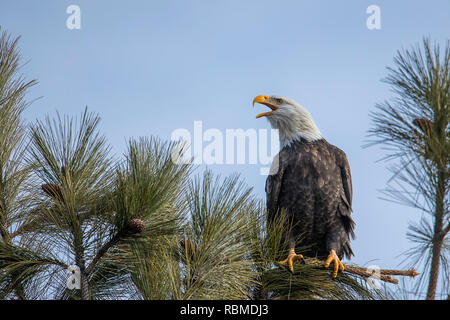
384, 274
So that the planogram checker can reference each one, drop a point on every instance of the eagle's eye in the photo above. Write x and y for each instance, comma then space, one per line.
279, 100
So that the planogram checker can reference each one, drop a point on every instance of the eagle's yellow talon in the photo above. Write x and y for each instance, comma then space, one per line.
292, 257
337, 264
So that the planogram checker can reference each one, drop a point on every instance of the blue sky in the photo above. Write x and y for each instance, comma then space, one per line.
150, 67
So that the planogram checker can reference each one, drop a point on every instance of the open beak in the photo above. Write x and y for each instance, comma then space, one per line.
266, 100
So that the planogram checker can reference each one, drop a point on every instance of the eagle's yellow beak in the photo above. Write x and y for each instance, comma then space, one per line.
266, 100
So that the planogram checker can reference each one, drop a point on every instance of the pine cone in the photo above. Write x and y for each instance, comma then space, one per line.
53, 191
136, 225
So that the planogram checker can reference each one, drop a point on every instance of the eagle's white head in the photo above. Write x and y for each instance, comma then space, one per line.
292, 120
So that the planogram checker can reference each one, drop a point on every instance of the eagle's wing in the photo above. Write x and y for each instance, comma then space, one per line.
273, 186
346, 198
346, 179
342, 228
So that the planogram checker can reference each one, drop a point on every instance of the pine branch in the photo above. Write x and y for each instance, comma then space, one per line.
446, 230
135, 226
102, 251
384, 274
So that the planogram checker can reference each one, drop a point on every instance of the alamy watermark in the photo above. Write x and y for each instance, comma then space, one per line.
228, 147
373, 22
373, 282
74, 280
74, 20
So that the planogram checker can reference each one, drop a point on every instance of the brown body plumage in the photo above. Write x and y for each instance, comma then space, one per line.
313, 185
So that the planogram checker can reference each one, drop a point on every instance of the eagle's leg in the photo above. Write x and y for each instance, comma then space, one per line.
332, 257
292, 257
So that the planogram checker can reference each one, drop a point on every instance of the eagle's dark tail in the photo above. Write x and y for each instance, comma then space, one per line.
339, 235
347, 250
349, 226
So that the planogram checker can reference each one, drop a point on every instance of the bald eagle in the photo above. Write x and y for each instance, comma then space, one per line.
312, 184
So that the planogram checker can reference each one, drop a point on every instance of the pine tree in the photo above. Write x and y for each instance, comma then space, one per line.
414, 125
15, 175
